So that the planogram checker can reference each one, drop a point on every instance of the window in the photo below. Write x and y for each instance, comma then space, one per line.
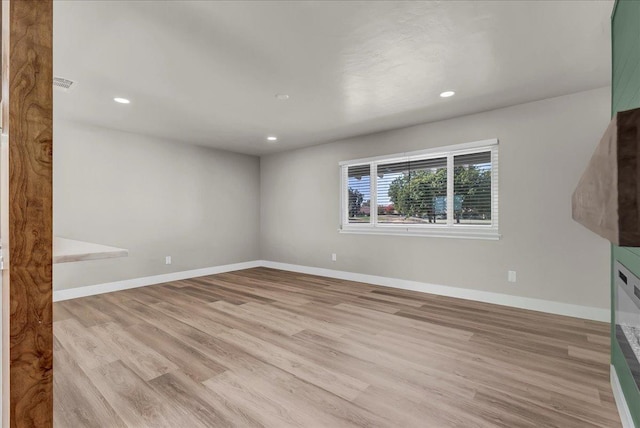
449, 191
359, 194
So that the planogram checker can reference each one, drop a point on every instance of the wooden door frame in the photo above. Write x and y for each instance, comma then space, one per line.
26, 219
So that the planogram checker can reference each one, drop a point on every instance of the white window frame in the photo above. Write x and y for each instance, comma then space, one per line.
449, 230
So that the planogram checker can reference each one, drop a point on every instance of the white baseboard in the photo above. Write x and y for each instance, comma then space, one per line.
621, 403
108, 287
567, 309
548, 306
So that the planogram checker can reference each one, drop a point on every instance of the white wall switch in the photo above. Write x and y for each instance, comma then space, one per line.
167, 260
334, 257
511, 276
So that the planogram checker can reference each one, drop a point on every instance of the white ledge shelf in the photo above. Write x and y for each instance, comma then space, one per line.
69, 250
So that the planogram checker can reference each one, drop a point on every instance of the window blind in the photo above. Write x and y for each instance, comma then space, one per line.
447, 191
359, 193
472, 188
412, 191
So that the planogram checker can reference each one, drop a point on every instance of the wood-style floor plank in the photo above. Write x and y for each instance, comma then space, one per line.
270, 348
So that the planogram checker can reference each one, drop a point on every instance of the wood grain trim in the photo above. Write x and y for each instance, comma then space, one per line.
595, 199
27, 230
4, 213
628, 156
607, 198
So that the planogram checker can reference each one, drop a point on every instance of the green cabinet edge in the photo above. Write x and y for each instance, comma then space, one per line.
625, 94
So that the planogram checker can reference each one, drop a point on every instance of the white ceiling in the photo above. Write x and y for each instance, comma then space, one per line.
207, 72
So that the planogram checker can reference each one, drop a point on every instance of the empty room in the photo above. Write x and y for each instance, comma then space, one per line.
320, 214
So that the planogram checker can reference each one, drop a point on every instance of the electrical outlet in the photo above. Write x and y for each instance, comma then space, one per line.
167, 260
511, 276
334, 257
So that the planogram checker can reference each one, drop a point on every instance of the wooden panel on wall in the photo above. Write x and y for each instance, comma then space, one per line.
594, 203
607, 198
27, 237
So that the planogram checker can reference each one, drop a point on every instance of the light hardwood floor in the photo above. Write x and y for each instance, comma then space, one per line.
263, 347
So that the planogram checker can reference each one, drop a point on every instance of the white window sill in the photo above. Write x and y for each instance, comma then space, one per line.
460, 232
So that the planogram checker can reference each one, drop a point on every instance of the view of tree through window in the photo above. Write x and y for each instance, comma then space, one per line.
412, 192
472, 188
359, 193
448, 189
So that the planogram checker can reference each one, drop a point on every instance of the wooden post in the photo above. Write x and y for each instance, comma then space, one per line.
26, 217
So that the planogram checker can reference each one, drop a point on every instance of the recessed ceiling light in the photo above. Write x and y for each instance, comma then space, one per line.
272, 138
121, 100
282, 97
447, 94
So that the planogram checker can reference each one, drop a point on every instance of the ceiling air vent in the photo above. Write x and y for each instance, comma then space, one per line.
63, 84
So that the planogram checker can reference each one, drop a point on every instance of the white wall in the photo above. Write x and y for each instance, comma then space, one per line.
153, 197
544, 147
202, 206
